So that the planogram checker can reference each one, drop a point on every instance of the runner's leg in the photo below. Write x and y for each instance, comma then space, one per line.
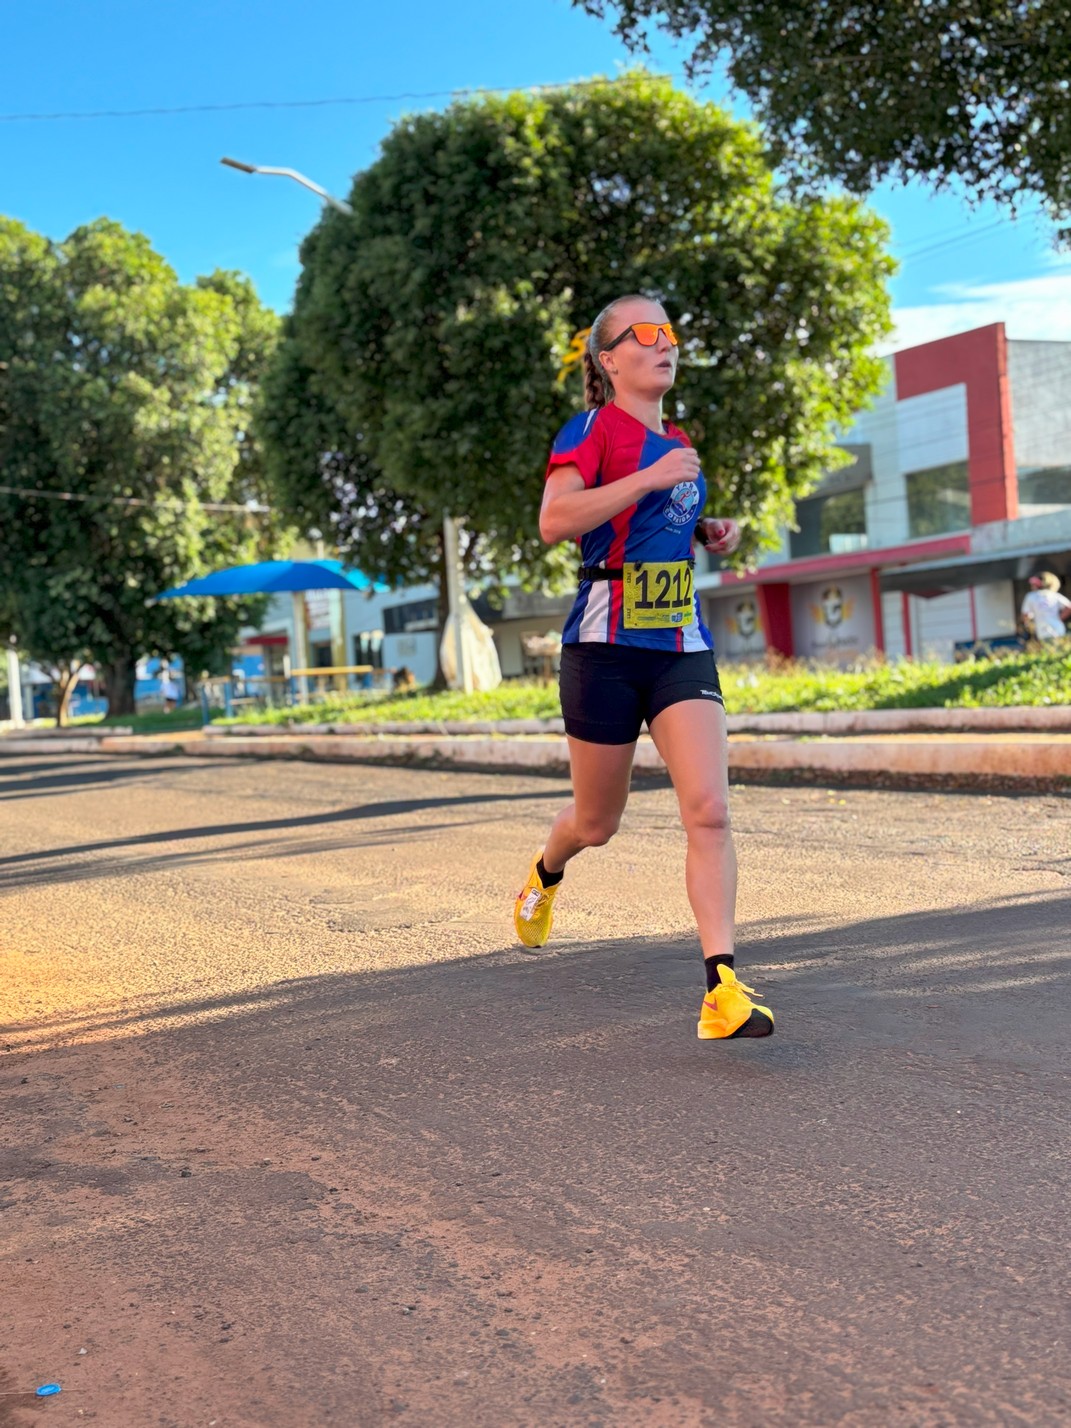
600, 775
692, 739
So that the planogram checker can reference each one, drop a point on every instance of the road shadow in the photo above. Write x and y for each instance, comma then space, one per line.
36, 863
977, 962
527, 1164
44, 780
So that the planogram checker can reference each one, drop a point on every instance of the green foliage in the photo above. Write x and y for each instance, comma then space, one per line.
514, 700
120, 384
1041, 677
156, 721
1033, 678
419, 372
971, 91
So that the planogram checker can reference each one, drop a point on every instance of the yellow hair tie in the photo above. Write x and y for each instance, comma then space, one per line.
574, 355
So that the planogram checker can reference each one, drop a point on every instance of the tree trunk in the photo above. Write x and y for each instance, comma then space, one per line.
66, 684
119, 679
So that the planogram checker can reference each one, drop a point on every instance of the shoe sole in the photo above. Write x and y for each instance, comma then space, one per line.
759, 1024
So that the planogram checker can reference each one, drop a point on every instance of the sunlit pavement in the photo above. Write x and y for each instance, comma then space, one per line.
295, 1134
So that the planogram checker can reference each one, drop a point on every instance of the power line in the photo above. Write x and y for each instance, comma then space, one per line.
965, 235
354, 99
251, 508
309, 103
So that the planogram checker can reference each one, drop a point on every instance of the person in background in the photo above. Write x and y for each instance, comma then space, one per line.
169, 690
1044, 610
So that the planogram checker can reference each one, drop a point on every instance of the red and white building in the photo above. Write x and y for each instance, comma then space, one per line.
960, 488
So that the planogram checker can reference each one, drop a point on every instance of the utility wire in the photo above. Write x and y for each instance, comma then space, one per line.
310, 103
176, 502
174, 109
351, 100
965, 235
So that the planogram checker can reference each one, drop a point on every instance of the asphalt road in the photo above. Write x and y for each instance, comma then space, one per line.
294, 1134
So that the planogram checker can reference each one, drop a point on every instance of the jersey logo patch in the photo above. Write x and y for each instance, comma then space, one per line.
682, 502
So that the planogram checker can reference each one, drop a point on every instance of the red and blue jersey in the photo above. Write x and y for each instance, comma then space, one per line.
606, 445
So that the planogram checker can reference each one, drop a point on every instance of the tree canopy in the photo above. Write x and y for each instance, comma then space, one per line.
419, 371
125, 447
973, 91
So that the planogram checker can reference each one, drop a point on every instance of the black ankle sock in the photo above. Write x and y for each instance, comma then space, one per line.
711, 965
549, 880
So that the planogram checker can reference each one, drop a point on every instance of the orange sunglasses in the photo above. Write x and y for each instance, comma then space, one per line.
645, 333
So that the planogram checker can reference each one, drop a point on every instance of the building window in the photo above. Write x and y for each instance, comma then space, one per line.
938, 500
1044, 489
830, 525
368, 648
416, 615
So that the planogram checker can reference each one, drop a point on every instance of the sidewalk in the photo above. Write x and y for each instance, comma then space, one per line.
959, 758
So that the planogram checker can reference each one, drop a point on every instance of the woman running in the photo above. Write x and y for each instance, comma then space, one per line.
628, 486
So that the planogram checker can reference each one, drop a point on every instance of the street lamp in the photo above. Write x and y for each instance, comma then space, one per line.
456, 599
292, 174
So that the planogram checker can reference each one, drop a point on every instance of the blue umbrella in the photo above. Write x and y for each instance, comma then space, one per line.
273, 576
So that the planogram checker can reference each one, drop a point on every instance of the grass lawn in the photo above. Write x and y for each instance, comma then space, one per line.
1033, 678
178, 721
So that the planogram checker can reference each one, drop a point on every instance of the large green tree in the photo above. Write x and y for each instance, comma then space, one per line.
967, 91
126, 449
419, 371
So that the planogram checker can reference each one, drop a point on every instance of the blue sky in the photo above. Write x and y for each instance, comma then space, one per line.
161, 174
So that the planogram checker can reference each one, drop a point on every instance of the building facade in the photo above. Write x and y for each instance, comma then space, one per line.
959, 488
384, 630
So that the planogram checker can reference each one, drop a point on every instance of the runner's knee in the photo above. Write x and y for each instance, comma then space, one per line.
597, 829
705, 813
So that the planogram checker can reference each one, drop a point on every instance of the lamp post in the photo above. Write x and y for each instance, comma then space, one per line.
456, 601
455, 590
338, 203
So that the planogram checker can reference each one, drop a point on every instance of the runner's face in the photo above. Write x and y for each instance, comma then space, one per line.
637, 371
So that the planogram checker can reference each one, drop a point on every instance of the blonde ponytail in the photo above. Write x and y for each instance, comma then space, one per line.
595, 384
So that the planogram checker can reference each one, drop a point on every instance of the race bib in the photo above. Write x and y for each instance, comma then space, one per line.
658, 596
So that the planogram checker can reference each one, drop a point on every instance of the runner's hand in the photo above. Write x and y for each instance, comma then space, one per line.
718, 536
680, 464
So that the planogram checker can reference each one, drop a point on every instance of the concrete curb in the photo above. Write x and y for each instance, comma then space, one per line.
1029, 719
999, 761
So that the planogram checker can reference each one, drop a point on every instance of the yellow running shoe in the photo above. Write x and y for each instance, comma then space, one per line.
728, 1010
533, 912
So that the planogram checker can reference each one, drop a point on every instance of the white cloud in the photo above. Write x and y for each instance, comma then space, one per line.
1032, 309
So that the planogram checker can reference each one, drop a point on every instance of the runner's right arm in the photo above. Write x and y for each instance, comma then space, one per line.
570, 509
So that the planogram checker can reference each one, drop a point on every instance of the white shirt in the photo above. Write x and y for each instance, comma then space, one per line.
1044, 609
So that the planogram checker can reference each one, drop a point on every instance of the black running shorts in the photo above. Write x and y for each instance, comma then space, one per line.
609, 691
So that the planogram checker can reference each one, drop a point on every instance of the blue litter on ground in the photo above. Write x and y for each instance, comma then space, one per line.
48, 1389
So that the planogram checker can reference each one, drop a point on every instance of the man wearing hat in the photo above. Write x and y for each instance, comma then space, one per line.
1044, 609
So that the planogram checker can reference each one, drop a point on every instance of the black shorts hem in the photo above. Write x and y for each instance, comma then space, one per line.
589, 733
682, 694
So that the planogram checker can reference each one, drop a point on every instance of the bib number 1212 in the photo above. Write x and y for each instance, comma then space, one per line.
658, 596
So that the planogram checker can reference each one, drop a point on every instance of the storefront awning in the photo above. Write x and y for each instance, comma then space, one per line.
958, 572
256, 641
